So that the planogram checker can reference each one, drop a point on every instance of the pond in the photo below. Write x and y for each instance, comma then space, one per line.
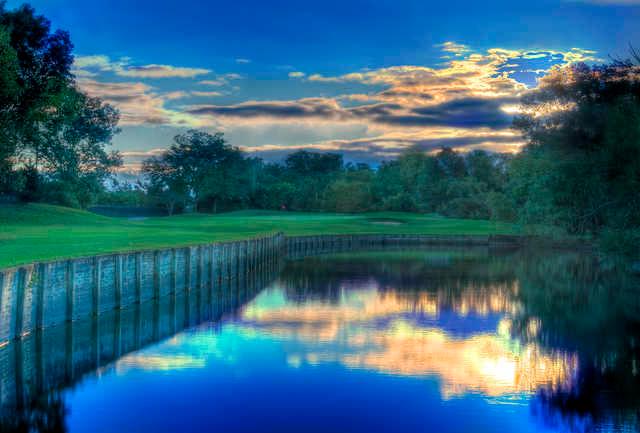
438, 339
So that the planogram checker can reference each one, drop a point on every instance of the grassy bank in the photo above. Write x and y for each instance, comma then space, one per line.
35, 232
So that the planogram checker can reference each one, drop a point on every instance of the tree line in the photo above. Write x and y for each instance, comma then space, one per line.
202, 172
579, 171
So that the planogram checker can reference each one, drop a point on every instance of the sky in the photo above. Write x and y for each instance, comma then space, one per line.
364, 78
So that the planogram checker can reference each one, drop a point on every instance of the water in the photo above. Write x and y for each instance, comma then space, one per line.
446, 340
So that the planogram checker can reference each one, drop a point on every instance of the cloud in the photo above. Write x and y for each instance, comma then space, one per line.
466, 103
206, 94
221, 80
139, 103
464, 112
454, 48
161, 71
215, 83
176, 95
243, 61
393, 144
97, 61
88, 65
303, 108
143, 153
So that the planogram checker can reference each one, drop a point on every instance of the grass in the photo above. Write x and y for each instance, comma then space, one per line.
36, 232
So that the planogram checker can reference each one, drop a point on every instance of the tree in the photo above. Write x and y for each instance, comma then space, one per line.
72, 151
166, 187
273, 188
53, 137
8, 100
200, 169
311, 173
44, 62
351, 192
583, 128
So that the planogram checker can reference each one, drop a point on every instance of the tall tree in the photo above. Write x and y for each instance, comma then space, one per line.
311, 173
202, 169
9, 92
51, 132
44, 69
583, 127
73, 153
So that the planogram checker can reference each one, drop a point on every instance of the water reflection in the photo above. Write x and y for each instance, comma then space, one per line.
395, 332
562, 328
439, 339
35, 371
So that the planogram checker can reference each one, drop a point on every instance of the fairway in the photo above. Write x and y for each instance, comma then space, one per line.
36, 232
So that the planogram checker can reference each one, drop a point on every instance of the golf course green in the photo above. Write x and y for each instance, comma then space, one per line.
37, 232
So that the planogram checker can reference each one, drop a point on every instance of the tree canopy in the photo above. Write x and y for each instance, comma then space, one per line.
54, 137
581, 168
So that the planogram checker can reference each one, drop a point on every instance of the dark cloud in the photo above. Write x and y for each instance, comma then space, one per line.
373, 110
464, 112
304, 108
394, 93
461, 112
375, 150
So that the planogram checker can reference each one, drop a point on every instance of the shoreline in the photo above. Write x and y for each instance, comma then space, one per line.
48, 293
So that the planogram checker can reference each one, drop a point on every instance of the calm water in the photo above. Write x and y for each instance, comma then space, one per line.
446, 340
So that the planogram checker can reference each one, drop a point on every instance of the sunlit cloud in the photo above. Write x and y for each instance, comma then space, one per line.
179, 94
216, 82
454, 48
392, 144
138, 103
122, 67
212, 94
467, 102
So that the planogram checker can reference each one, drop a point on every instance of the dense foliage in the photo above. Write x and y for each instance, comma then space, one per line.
201, 171
53, 137
581, 168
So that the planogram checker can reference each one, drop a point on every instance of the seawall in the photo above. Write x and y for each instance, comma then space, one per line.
47, 294
59, 356
43, 295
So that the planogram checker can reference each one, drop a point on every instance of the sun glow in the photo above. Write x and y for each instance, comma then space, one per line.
379, 331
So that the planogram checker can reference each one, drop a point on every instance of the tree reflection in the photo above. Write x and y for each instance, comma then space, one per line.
593, 309
45, 414
561, 302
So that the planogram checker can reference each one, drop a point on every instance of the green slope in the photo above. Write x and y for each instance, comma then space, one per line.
35, 232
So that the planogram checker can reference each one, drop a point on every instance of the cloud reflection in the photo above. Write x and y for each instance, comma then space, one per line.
382, 331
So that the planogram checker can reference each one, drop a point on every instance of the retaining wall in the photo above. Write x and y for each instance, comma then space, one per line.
59, 356
301, 246
47, 294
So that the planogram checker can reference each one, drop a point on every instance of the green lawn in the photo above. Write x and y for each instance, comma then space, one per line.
35, 232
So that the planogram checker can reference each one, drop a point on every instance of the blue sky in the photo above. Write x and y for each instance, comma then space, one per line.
364, 78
